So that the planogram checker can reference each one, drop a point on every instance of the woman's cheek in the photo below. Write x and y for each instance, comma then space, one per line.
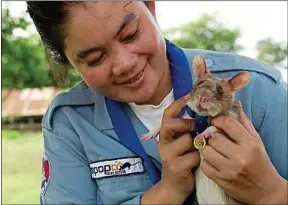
150, 44
96, 77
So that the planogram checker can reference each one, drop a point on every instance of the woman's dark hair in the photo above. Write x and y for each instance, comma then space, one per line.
49, 18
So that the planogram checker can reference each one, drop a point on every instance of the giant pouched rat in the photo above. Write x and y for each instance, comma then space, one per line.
211, 97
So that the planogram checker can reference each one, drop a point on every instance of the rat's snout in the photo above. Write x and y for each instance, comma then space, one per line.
205, 95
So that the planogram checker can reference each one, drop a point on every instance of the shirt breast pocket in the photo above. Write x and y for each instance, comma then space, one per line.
116, 190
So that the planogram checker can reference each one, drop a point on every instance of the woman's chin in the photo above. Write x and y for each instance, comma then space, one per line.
141, 99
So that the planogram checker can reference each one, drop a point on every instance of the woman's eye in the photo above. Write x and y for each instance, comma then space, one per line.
97, 61
131, 36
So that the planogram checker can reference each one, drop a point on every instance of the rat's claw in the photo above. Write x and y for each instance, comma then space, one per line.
146, 137
150, 135
207, 134
199, 136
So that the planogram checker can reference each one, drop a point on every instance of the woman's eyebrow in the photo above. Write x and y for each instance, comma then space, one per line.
127, 19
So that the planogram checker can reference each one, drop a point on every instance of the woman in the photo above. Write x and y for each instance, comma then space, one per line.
131, 75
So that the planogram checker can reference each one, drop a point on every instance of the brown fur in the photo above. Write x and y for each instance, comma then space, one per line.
221, 97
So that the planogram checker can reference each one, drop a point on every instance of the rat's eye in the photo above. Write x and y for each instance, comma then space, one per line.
219, 89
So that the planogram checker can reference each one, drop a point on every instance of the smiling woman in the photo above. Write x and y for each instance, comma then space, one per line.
124, 61
109, 37
134, 81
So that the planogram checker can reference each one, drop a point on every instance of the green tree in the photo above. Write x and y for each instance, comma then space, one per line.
24, 61
205, 33
272, 52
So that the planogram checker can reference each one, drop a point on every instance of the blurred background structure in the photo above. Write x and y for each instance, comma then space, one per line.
255, 29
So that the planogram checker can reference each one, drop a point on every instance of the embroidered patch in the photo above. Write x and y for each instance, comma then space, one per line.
45, 174
116, 167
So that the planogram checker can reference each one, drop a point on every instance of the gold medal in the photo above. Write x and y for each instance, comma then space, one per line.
199, 143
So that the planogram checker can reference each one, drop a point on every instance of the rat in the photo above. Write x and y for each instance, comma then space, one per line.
211, 97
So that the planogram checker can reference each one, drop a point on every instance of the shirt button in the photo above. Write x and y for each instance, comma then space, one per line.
209, 62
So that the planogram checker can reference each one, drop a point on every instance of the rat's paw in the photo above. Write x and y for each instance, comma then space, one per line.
150, 135
204, 135
209, 132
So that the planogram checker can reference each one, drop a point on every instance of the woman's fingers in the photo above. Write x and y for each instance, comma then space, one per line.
182, 145
214, 158
210, 171
190, 160
173, 126
234, 129
223, 145
174, 109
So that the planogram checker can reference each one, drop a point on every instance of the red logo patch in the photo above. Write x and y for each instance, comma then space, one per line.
45, 174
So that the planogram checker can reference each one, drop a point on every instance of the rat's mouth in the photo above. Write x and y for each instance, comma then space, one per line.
204, 108
203, 104
201, 108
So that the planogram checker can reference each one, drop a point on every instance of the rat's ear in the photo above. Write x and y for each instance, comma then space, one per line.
199, 66
239, 80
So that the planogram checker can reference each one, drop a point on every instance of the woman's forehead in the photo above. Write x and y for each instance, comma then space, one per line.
96, 22
102, 12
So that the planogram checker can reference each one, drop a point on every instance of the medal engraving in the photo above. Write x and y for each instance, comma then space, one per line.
199, 143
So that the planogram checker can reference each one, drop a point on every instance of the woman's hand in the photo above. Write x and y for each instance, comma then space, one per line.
240, 165
178, 157
177, 152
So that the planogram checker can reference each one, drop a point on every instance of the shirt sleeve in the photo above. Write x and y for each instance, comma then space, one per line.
273, 125
66, 177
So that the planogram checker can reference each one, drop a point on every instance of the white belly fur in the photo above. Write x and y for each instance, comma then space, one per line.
208, 192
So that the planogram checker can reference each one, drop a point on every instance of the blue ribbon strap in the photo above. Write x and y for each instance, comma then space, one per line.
128, 137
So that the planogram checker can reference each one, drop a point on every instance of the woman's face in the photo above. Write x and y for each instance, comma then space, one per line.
118, 49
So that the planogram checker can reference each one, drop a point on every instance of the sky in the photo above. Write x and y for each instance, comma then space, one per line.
256, 19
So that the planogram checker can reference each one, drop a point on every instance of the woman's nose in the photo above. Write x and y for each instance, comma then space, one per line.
124, 62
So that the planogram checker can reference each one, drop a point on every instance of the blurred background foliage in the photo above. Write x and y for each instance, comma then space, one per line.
24, 62
205, 33
24, 59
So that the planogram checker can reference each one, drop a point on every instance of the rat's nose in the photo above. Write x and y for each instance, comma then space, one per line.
204, 95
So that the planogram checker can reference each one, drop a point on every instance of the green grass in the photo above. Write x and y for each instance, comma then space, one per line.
21, 167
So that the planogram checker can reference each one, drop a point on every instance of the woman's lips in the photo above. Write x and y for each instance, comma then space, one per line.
135, 78
136, 81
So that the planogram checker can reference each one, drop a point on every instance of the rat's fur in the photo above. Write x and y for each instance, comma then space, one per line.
212, 96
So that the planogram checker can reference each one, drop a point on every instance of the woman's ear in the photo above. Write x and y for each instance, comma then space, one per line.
151, 6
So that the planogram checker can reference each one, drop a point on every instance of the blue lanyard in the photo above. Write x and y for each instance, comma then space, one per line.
128, 137
182, 85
